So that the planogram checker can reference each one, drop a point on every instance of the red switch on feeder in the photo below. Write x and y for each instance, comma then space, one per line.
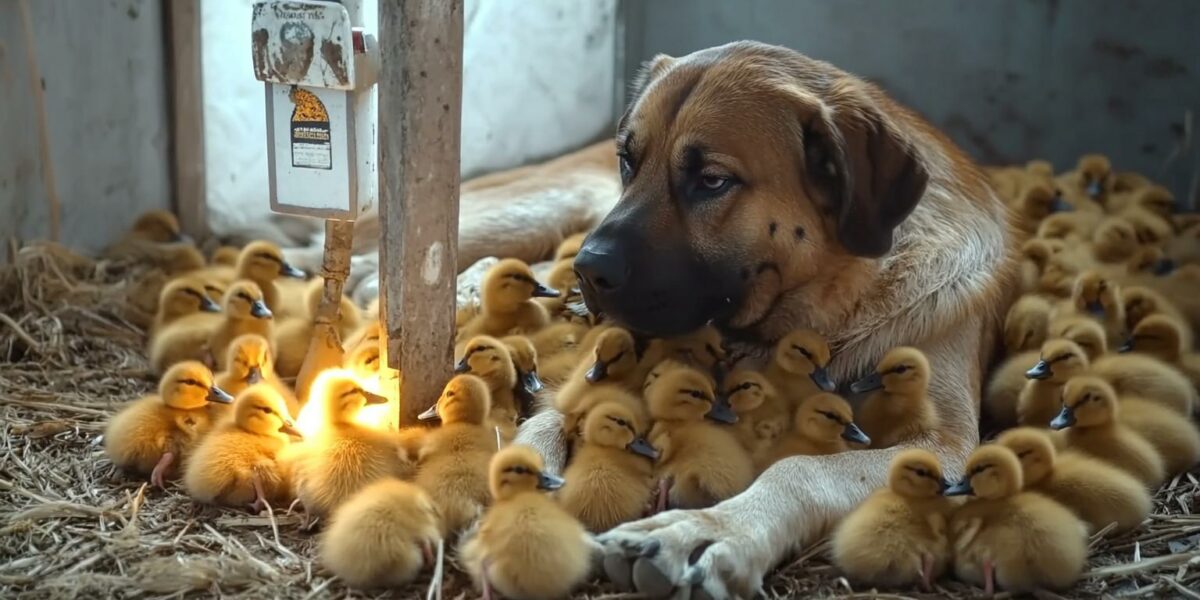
360, 44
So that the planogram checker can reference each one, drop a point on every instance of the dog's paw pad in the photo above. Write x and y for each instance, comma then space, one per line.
650, 581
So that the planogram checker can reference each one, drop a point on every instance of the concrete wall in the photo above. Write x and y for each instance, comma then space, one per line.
103, 72
539, 80
1008, 80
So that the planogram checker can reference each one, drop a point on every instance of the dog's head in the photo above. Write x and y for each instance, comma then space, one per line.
748, 170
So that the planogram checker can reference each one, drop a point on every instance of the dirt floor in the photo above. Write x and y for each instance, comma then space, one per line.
73, 527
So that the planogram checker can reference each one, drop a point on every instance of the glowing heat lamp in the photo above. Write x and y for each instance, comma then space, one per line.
312, 415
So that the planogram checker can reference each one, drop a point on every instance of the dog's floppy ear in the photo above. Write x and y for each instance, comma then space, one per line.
873, 177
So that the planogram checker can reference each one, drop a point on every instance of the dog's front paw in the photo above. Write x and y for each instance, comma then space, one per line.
698, 552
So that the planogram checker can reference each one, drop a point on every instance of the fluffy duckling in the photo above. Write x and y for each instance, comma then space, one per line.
1092, 178
243, 312
1040, 399
452, 461
1092, 420
364, 361
704, 460
1003, 391
293, 335
1020, 540
898, 536
1162, 337
345, 456
1071, 227
1035, 256
383, 536
180, 298
158, 226
183, 338
617, 359
824, 424
1176, 440
526, 546
1038, 201
1114, 241
225, 256
248, 361
1026, 323
899, 409
507, 295
1096, 491
1151, 229
1141, 302
525, 359
1142, 375
1084, 331
797, 368
748, 391
569, 247
236, 465
262, 262
1096, 296
595, 396
150, 434
1154, 199
559, 339
702, 348
490, 360
611, 476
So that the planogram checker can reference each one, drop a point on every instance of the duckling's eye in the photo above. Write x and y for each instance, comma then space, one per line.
830, 416
803, 351
900, 370
266, 410
922, 472
449, 394
1024, 453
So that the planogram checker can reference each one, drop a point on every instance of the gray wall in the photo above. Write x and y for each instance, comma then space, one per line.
1009, 80
104, 72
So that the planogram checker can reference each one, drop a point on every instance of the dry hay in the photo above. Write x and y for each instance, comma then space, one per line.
71, 526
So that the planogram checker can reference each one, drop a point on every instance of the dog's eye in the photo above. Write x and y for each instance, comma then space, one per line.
714, 182
625, 167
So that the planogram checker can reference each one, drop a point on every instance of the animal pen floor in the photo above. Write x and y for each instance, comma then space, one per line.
71, 526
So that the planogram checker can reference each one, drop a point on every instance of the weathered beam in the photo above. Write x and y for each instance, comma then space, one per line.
420, 105
325, 346
187, 117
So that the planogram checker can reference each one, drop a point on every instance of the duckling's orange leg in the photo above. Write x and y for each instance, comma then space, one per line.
260, 499
927, 572
664, 490
158, 475
487, 585
989, 577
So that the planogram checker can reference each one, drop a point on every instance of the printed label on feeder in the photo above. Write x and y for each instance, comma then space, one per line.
312, 146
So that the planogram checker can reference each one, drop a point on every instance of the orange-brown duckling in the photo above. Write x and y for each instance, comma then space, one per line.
702, 348
1097, 492
508, 307
452, 461
243, 311
1035, 256
1026, 323
899, 409
345, 455
898, 536
611, 476
383, 536
180, 298
1040, 399
1022, 541
1092, 178
1150, 228
748, 392
153, 434
1144, 376
527, 546
1093, 426
1036, 202
490, 360
1084, 331
529, 384
798, 366
1141, 302
1115, 241
702, 461
225, 256
236, 464
247, 362
617, 359
1162, 337
1097, 296
1003, 391
151, 230
1072, 228
824, 424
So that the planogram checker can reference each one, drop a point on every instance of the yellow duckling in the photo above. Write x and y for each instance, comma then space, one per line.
898, 536
1176, 440
236, 464
1091, 181
149, 435
262, 262
364, 361
247, 362
1162, 337
797, 369
1026, 323
602, 394
824, 424
186, 336
1003, 390
1020, 540
1084, 331
180, 298
527, 546
702, 348
1154, 199
899, 409
293, 335
748, 391
1142, 375
1035, 256
156, 226
617, 360
611, 476
1096, 491
1115, 241
1141, 302
1041, 398
1151, 229
1094, 295
1092, 420
452, 461
507, 296
525, 359
490, 360
244, 312
383, 536
1038, 201
704, 460
569, 247
345, 456
225, 256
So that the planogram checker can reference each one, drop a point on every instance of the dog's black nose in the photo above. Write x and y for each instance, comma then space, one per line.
602, 269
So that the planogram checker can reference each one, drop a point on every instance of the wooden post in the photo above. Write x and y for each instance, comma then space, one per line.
420, 106
325, 346
187, 117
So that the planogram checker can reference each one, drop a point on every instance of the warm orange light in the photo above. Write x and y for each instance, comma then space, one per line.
312, 416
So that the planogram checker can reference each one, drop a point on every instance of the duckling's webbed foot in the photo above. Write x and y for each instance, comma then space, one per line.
989, 577
158, 475
487, 584
260, 498
664, 493
927, 572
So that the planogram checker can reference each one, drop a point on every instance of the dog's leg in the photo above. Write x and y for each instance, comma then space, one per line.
544, 432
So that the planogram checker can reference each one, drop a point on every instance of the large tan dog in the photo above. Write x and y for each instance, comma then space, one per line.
768, 191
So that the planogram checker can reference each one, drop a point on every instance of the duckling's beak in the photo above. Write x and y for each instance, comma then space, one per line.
289, 271
531, 382
541, 291
429, 415
1095, 308
820, 378
207, 305
943, 485
1163, 267
289, 428
1065, 419
870, 383
1060, 205
547, 481
462, 367
962, 488
641, 447
721, 411
1127, 347
853, 434
1039, 371
597, 373
218, 395
1093, 189
374, 398
259, 310
255, 375
183, 238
